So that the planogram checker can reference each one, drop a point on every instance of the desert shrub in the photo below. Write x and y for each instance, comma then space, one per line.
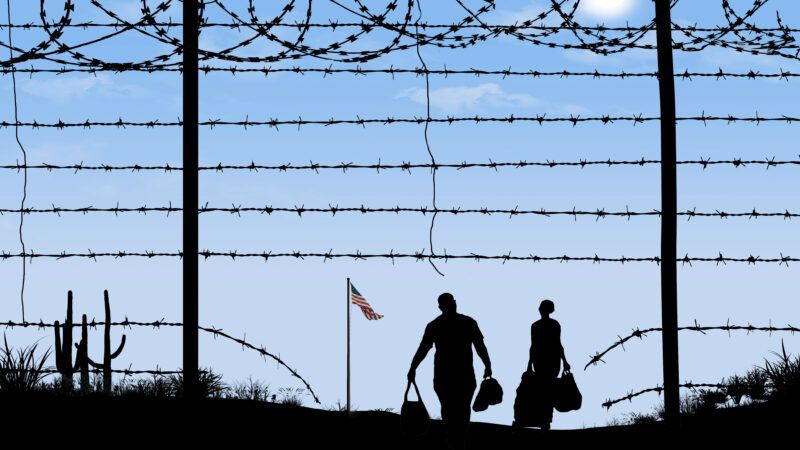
211, 384
783, 377
250, 390
290, 396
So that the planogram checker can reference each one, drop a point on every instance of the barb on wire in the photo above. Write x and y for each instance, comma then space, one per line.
640, 334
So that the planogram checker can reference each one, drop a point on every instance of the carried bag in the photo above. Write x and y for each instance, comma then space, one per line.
414, 418
568, 397
490, 393
532, 407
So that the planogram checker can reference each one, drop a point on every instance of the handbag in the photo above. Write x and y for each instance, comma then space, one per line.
414, 418
568, 397
490, 393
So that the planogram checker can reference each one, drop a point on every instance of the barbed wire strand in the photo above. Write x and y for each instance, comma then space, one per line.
403, 166
719, 75
333, 24
541, 119
126, 372
599, 213
641, 334
357, 255
659, 389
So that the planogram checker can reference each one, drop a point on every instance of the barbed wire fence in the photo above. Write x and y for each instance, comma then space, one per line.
555, 27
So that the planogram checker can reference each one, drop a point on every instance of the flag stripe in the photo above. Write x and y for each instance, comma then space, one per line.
361, 302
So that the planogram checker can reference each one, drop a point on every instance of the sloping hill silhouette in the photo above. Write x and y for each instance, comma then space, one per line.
230, 422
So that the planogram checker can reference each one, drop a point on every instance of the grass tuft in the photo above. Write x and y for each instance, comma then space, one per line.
21, 371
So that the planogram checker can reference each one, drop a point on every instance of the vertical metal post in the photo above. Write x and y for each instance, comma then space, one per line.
669, 213
348, 345
190, 198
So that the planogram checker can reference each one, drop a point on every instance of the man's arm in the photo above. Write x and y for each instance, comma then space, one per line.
483, 353
480, 348
424, 347
561, 347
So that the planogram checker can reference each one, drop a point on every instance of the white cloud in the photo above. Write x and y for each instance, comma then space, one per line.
529, 12
65, 88
607, 9
597, 9
457, 99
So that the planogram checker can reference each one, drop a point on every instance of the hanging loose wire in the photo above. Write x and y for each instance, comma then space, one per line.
434, 167
24, 160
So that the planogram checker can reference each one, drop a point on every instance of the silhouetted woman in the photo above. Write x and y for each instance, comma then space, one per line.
546, 354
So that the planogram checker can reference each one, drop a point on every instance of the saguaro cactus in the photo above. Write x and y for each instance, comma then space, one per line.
63, 352
107, 354
82, 358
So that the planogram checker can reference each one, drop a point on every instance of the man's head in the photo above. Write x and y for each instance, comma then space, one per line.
447, 303
546, 308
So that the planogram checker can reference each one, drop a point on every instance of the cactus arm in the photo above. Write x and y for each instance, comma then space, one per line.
77, 358
119, 349
94, 364
80, 347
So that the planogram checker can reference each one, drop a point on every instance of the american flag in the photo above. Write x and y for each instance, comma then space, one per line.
361, 302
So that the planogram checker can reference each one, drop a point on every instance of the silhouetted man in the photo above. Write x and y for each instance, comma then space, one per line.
454, 335
546, 354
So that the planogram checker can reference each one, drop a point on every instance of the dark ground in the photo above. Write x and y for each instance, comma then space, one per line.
236, 423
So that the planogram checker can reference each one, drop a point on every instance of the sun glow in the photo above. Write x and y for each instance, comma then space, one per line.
606, 9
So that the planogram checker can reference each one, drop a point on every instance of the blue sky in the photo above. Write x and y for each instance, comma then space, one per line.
294, 308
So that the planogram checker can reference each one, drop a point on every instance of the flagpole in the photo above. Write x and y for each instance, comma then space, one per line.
348, 345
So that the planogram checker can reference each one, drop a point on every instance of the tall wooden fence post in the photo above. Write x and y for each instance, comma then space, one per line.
190, 198
669, 213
